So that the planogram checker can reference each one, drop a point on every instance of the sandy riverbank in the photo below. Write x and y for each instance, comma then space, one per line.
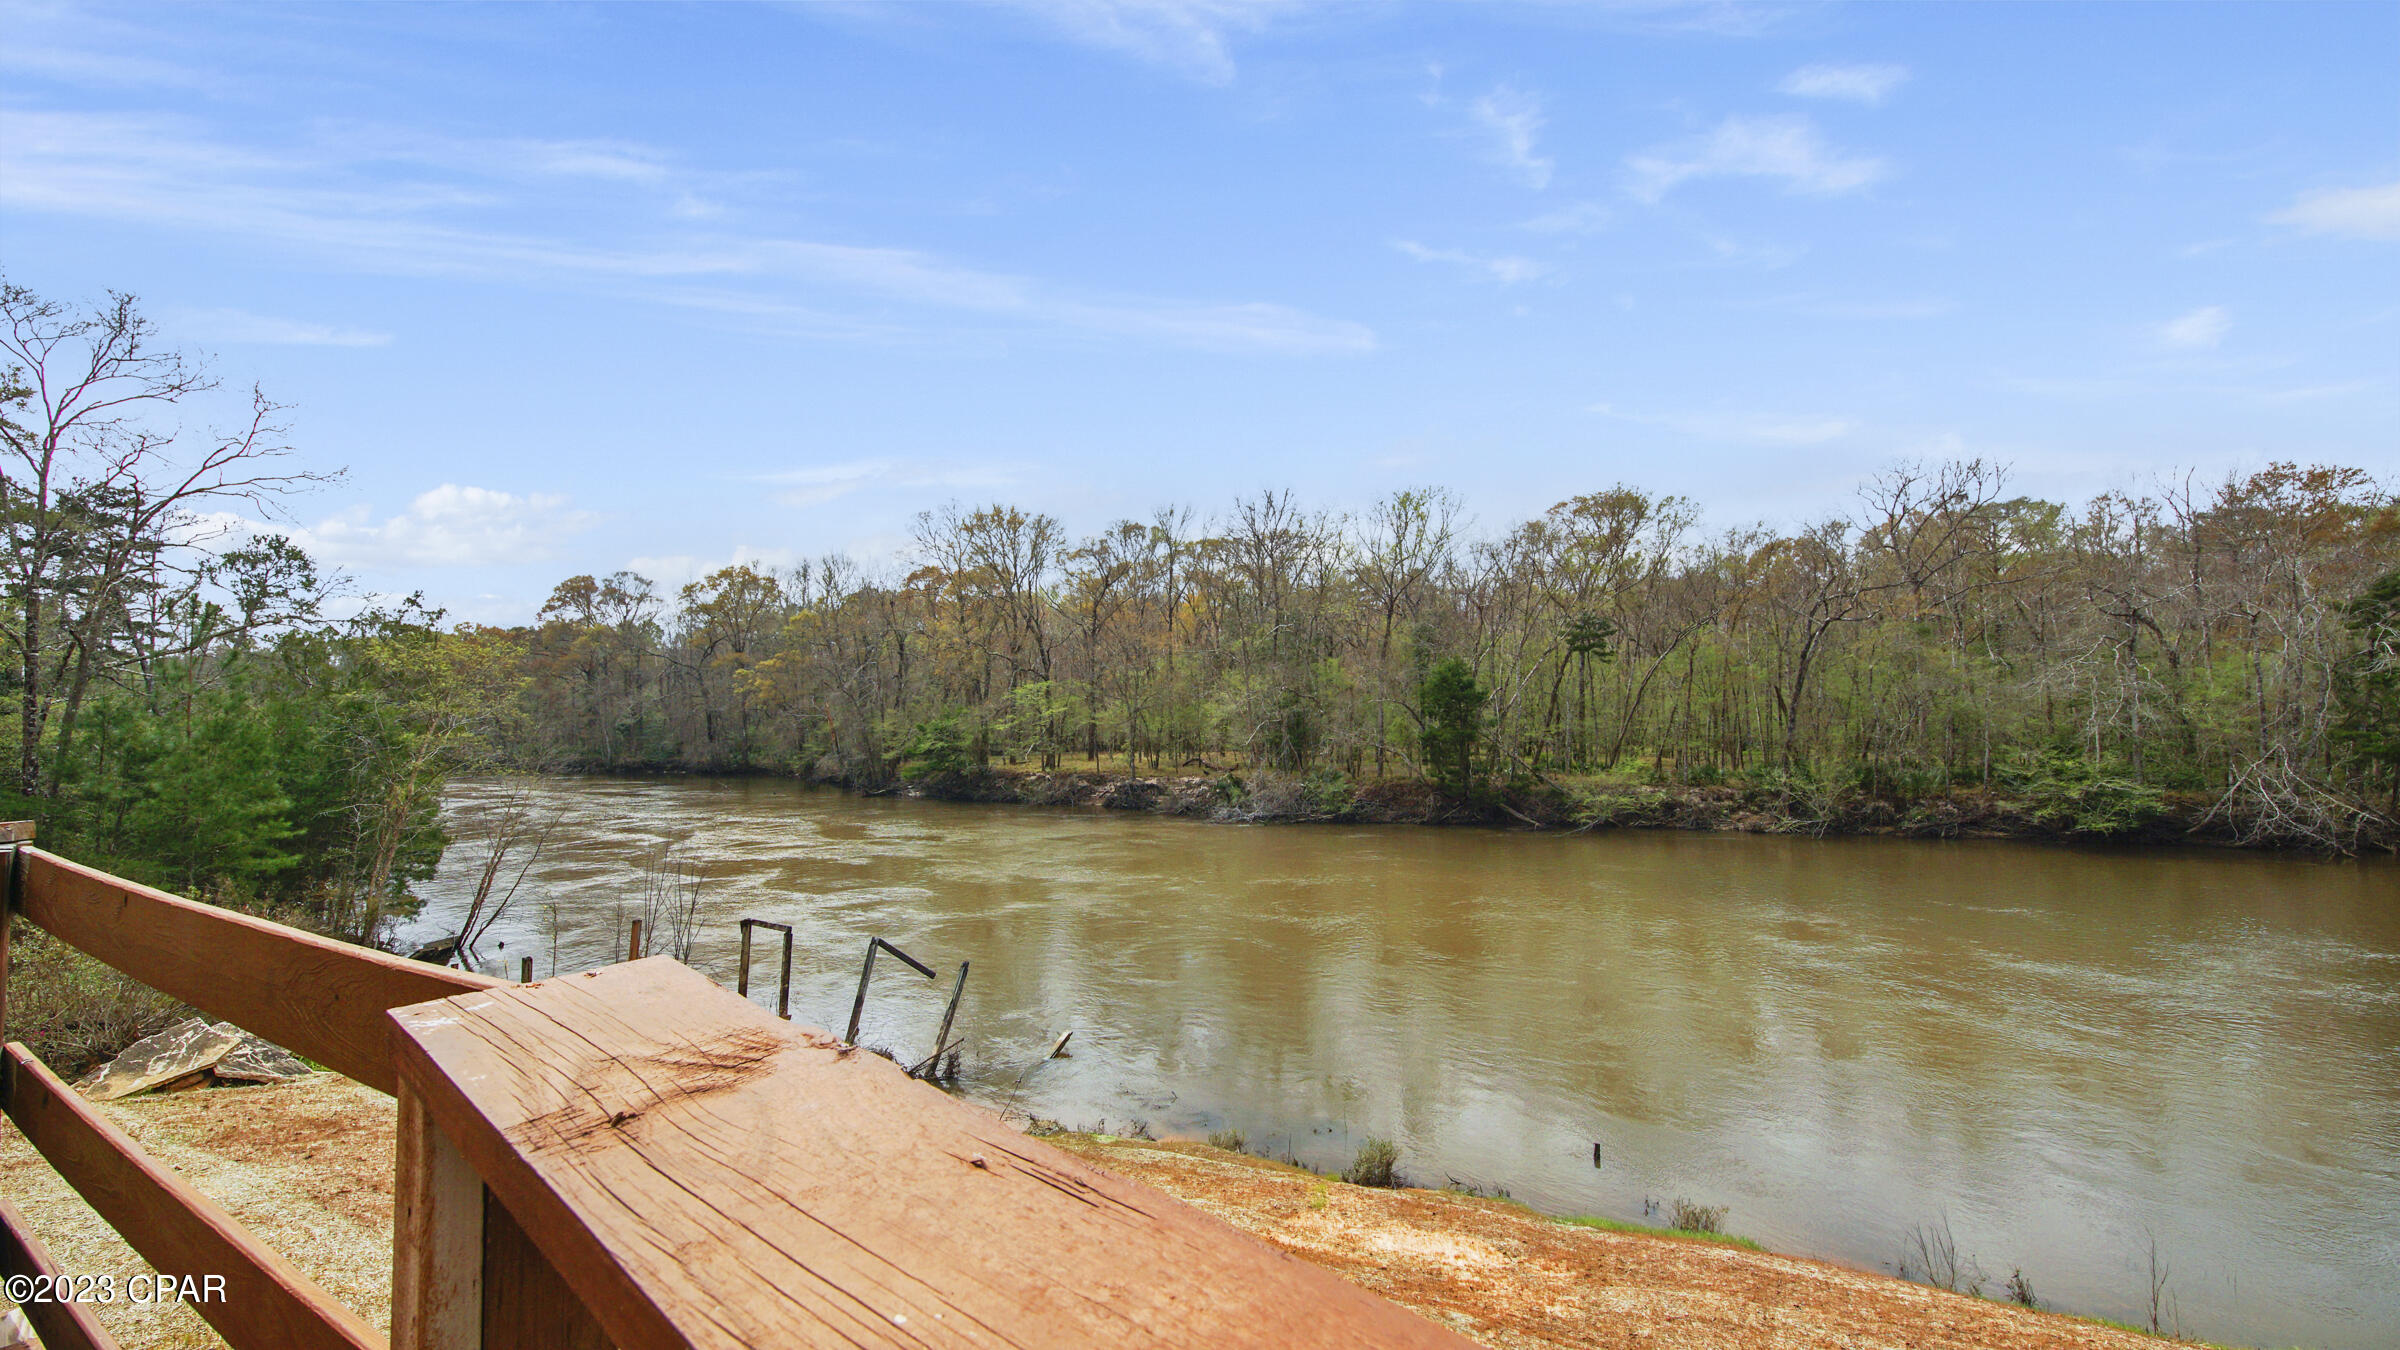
308, 1166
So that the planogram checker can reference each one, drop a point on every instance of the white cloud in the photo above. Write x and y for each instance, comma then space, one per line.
816, 484
1185, 35
340, 200
2203, 327
1772, 429
234, 325
1514, 120
674, 571
1506, 270
450, 526
1787, 148
2357, 213
1868, 84
1581, 218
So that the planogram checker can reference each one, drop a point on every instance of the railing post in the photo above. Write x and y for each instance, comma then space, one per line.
437, 1238
15, 834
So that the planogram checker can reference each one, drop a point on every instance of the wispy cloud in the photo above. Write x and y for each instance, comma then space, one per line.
817, 484
1513, 120
241, 326
1785, 148
1816, 305
2356, 213
1772, 429
450, 526
1581, 218
1189, 36
1505, 269
1869, 84
2203, 327
340, 201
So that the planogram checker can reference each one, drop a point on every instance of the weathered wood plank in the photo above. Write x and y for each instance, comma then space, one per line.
437, 1238
62, 1326
265, 1303
705, 1174
526, 1306
316, 997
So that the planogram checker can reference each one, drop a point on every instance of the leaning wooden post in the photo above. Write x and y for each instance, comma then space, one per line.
741, 982
941, 1039
858, 1006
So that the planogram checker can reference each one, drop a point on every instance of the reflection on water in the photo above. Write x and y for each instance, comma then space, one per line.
2064, 1053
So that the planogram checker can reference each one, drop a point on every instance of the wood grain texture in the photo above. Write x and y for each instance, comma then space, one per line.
267, 1304
705, 1174
62, 1326
437, 1238
314, 996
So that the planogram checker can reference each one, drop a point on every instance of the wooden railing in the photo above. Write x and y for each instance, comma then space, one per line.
634, 1157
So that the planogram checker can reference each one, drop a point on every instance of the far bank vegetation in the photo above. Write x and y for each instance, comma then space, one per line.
2217, 655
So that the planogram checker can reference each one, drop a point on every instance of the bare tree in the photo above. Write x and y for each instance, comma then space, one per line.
96, 490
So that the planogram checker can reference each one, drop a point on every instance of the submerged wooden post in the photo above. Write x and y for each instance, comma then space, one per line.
633, 945
858, 1006
525, 971
783, 991
941, 1039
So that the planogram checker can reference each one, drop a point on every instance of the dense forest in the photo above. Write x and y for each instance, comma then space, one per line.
2230, 645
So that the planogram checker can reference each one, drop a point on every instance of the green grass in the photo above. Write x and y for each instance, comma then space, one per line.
1645, 1230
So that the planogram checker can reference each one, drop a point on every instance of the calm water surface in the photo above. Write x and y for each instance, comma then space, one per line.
2065, 1054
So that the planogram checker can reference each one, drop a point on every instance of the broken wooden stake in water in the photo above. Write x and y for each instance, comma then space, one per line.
858, 1006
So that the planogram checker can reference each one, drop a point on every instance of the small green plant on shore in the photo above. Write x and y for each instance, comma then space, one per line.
1318, 1194
1377, 1164
1645, 1230
1229, 1140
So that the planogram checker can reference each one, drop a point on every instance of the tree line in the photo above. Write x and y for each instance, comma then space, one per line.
186, 711
2231, 641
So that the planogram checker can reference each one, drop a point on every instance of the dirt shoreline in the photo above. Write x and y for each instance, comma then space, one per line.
308, 1167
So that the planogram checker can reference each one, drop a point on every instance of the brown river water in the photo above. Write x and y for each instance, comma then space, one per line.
2065, 1055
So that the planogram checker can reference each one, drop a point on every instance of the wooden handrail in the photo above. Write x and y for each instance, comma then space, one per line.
60, 1324
266, 1303
321, 999
702, 1173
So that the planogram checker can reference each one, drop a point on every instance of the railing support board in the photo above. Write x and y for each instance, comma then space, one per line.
313, 996
62, 1326
267, 1304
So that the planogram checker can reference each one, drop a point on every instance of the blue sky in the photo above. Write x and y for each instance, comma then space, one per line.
570, 288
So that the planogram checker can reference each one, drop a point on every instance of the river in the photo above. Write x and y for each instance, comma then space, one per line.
2069, 1057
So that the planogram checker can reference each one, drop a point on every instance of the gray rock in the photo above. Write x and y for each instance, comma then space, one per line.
257, 1060
188, 1047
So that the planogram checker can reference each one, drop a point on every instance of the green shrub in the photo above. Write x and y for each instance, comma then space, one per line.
1377, 1164
941, 748
2066, 792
